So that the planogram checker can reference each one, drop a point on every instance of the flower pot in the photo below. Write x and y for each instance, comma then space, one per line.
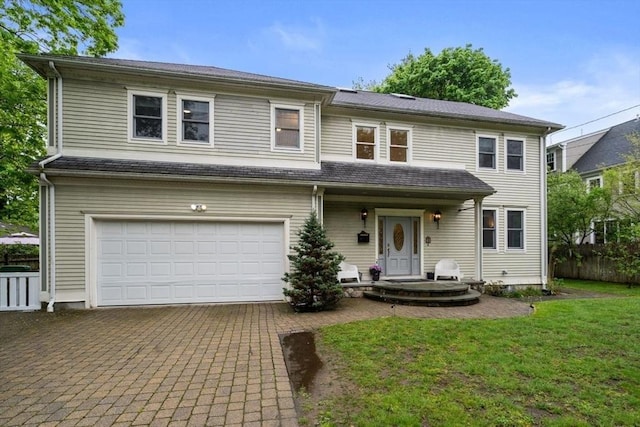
375, 275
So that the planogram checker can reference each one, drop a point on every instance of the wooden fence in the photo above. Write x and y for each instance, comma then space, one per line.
587, 263
31, 261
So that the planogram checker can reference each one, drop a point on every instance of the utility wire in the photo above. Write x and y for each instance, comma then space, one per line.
595, 120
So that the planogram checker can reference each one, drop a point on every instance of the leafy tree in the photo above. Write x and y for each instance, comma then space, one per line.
571, 210
456, 74
313, 278
61, 26
623, 183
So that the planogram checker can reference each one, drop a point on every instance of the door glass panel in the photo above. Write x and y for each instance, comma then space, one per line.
398, 237
380, 237
415, 237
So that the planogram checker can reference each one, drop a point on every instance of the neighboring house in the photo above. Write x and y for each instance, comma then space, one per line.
173, 183
590, 155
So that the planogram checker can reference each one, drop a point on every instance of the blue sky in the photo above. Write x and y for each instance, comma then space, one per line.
571, 61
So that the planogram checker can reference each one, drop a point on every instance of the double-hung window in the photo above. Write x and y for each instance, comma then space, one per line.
551, 160
399, 140
515, 228
515, 154
487, 152
489, 229
594, 183
366, 141
287, 127
195, 120
147, 116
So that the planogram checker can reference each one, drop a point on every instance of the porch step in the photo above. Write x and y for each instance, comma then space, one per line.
422, 289
470, 297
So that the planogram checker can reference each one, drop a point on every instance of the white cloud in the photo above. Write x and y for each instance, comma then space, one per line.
603, 85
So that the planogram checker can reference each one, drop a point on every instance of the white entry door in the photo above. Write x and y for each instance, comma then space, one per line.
169, 262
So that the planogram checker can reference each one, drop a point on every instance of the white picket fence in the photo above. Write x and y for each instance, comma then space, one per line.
20, 291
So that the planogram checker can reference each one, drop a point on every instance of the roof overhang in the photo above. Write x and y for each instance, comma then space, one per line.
334, 177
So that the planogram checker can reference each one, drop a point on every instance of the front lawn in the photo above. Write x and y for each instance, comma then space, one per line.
572, 363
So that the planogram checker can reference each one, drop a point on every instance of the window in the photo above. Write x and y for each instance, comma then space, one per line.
366, 138
594, 182
195, 120
489, 229
147, 114
515, 229
515, 154
287, 125
399, 140
486, 152
551, 160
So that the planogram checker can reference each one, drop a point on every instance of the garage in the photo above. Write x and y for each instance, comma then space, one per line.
174, 262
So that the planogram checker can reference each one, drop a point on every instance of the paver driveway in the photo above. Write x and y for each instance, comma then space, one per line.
175, 365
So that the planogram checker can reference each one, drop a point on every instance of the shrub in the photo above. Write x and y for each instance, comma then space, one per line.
313, 278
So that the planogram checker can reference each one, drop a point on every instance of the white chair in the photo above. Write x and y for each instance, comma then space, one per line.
449, 268
348, 271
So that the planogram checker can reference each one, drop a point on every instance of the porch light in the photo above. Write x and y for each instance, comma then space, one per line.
364, 213
437, 215
198, 208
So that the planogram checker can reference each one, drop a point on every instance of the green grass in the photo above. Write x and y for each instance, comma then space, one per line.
604, 287
572, 363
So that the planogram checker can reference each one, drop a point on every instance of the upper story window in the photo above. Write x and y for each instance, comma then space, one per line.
515, 154
515, 229
551, 160
147, 116
594, 182
487, 152
287, 127
399, 140
195, 120
366, 141
489, 228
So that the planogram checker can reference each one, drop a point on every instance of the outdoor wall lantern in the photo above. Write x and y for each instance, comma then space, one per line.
437, 215
198, 208
364, 213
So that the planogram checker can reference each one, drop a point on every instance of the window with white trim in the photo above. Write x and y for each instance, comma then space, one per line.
399, 140
195, 120
487, 152
287, 127
489, 228
515, 228
595, 182
366, 141
551, 160
147, 116
514, 154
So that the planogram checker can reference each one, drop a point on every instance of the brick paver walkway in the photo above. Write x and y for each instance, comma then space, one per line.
219, 365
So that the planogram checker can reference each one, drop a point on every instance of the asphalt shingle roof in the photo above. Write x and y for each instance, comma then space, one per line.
610, 149
432, 107
331, 174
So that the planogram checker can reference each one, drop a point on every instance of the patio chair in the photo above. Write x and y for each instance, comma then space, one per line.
348, 271
448, 268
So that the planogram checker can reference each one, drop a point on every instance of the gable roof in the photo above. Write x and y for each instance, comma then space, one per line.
433, 108
362, 100
334, 176
610, 149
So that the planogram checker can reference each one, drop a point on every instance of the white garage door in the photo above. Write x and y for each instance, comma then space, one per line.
172, 262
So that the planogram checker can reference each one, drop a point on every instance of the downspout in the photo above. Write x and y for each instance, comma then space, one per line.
52, 192
544, 246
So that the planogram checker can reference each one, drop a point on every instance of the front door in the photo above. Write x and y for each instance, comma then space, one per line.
400, 245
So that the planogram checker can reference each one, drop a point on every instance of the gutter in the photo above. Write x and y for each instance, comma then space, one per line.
544, 247
51, 199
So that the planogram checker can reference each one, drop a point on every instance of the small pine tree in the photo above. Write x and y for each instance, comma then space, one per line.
313, 278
